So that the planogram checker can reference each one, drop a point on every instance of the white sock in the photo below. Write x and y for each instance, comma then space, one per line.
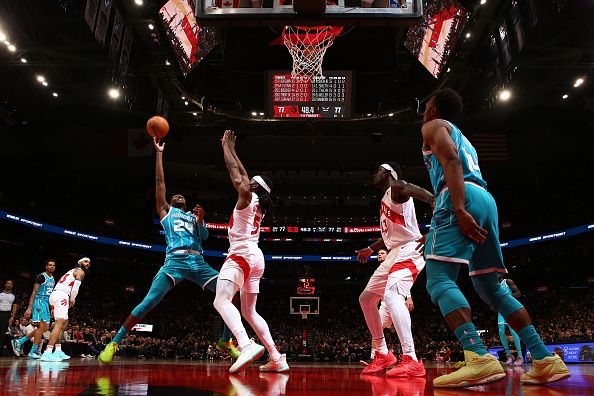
49, 349
58, 347
401, 319
248, 309
381, 346
230, 314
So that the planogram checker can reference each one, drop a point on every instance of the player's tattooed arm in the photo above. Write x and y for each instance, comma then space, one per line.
437, 136
515, 291
162, 205
242, 170
32, 299
241, 184
401, 191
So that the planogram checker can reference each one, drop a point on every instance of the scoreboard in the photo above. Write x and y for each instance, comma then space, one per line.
328, 96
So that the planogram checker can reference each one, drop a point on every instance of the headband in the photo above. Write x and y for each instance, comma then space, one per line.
392, 171
261, 182
84, 259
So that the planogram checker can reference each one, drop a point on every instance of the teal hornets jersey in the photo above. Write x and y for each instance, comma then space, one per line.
468, 160
46, 286
182, 231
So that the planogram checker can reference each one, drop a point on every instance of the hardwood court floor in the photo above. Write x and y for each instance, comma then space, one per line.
179, 378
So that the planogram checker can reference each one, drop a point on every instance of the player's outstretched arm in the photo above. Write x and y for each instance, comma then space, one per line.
162, 205
240, 183
242, 170
363, 254
401, 191
437, 136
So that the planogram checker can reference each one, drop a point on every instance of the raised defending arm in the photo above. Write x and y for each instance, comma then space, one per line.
162, 205
240, 183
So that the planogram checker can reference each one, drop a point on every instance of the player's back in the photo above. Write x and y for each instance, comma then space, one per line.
244, 227
46, 287
468, 160
398, 221
180, 230
66, 282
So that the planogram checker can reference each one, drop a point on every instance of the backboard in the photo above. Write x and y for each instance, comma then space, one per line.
281, 13
309, 305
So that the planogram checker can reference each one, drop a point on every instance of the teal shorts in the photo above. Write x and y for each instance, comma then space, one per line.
188, 266
446, 243
40, 312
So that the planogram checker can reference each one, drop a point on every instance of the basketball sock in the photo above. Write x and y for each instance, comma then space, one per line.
49, 348
401, 319
120, 335
381, 346
248, 309
516, 341
230, 314
533, 342
371, 314
470, 339
503, 338
34, 348
58, 348
22, 340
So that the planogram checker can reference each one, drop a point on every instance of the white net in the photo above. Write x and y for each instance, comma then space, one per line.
307, 46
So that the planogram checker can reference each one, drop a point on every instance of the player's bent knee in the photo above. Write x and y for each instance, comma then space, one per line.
436, 287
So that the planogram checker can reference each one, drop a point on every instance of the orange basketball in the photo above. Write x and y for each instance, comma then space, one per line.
157, 126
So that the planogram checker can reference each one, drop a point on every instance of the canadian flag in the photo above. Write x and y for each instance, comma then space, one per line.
132, 143
228, 3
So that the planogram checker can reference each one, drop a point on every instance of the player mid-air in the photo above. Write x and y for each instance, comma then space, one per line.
244, 265
184, 232
38, 310
393, 279
61, 300
464, 231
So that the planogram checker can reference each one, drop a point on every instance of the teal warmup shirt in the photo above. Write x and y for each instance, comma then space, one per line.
182, 231
468, 160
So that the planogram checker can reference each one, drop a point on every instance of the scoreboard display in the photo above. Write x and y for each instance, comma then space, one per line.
328, 96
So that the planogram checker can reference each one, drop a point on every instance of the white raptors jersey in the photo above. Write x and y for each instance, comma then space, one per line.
66, 282
244, 226
398, 222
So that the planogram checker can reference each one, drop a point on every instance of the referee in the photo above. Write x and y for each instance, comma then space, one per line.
8, 308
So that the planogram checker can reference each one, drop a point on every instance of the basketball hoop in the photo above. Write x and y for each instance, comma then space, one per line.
304, 312
307, 45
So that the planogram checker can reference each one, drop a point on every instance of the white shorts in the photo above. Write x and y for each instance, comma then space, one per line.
244, 266
402, 265
59, 303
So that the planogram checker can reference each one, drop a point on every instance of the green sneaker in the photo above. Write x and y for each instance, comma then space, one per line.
106, 356
228, 348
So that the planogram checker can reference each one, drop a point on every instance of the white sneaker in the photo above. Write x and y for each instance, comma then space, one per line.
278, 366
247, 356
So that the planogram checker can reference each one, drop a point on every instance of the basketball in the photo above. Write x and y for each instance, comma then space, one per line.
157, 126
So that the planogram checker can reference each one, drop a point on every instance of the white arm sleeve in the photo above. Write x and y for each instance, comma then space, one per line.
74, 292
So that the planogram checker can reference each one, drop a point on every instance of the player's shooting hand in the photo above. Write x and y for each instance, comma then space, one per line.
421, 243
409, 304
363, 254
226, 139
470, 229
159, 144
199, 213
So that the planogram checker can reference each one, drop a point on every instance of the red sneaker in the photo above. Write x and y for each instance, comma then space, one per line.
407, 368
380, 362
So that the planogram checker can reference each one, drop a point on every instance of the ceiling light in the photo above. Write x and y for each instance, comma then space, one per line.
183, 98
114, 93
23, 60
565, 96
151, 26
11, 48
2, 36
40, 78
167, 62
578, 82
55, 94
483, 1
194, 114
7, 43
505, 95
391, 114
138, 2
468, 35
261, 114
44, 83
368, 114
254, 113
186, 102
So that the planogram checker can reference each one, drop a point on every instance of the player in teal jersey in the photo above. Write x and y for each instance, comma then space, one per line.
501, 324
38, 310
184, 232
464, 231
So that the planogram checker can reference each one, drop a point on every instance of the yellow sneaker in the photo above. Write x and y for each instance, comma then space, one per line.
228, 348
478, 370
106, 356
547, 370
458, 365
